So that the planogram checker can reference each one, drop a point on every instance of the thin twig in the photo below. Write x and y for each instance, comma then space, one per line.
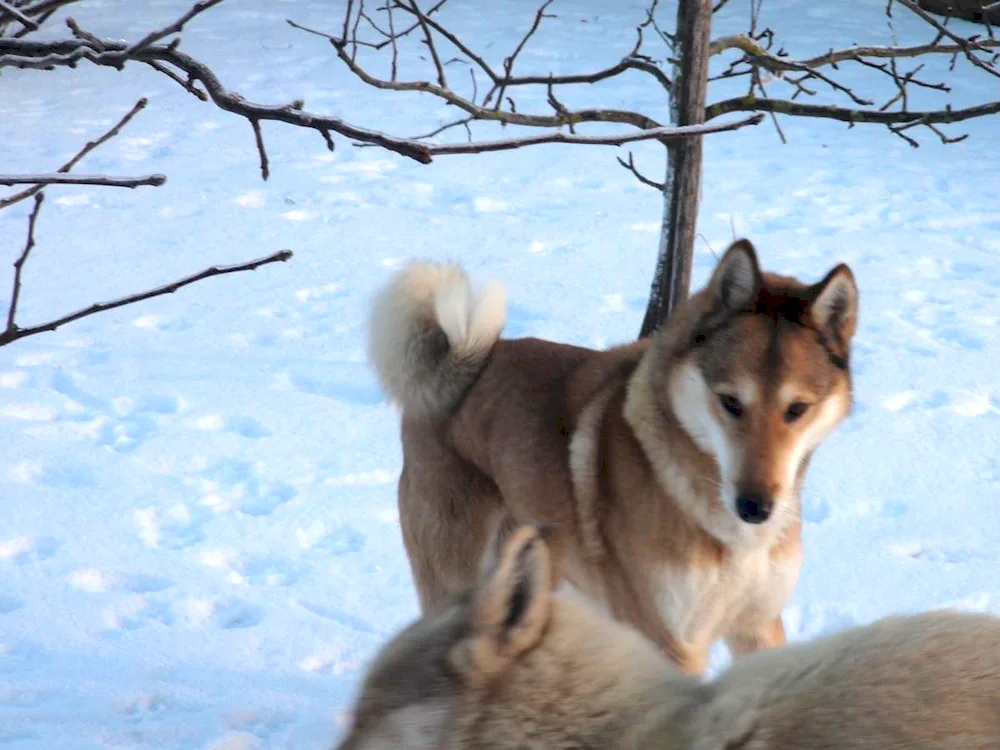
407, 31
425, 19
347, 19
392, 39
265, 166
508, 63
447, 126
19, 264
90, 146
20, 333
175, 27
187, 85
758, 81
154, 180
429, 40
946, 139
630, 166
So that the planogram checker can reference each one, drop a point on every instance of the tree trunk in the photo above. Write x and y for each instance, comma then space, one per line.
682, 186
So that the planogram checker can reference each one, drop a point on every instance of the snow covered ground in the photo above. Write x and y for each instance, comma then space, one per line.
198, 535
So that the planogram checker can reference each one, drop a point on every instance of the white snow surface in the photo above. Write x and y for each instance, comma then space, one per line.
199, 545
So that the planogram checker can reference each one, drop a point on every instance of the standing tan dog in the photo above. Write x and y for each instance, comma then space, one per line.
671, 467
507, 665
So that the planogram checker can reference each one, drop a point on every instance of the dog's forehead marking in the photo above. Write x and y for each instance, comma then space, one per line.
768, 354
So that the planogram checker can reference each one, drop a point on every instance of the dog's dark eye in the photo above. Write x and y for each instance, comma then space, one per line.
731, 404
795, 410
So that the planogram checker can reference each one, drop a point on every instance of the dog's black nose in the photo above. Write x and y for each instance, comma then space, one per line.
754, 508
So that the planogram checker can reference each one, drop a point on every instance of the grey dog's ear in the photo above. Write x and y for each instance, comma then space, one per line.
511, 606
503, 528
736, 280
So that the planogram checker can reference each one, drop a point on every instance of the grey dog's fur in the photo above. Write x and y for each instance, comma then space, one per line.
508, 664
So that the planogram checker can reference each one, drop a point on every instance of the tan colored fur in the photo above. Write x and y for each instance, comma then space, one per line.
647, 478
509, 665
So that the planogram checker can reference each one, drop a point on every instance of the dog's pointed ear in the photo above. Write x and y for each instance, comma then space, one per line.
503, 528
736, 280
511, 605
834, 307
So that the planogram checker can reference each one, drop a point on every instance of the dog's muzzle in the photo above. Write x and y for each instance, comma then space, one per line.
754, 508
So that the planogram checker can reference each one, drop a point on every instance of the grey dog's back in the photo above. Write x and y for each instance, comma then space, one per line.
890, 685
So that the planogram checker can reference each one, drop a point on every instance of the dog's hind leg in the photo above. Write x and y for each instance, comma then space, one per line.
448, 512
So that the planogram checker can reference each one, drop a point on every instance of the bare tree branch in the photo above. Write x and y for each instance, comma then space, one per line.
36, 15
631, 61
483, 112
90, 146
12, 331
154, 180
265, 167
24, 20
68, 52
15, 333
844, 114
894, 113
111, 53
630, 166
491, 107
662, 134
187, 71
19, 264
45, 6
775, 64
968, 46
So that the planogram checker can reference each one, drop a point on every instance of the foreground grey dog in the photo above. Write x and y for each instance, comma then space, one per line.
509, 664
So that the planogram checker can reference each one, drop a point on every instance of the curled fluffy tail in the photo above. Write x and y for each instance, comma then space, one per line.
429, 336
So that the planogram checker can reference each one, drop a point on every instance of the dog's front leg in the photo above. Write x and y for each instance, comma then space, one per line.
771, 634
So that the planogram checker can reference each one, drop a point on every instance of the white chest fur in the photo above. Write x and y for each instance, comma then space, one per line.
745, 592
